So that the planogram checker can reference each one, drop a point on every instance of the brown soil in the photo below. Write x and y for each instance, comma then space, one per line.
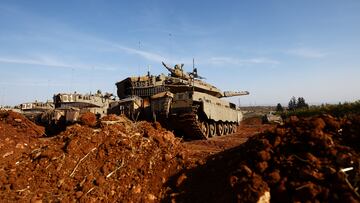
200, 150
118, 160
16, 124
208, 164
301, 161
17, 133
88, 119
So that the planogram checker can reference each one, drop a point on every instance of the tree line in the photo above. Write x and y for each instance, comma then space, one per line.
294, 104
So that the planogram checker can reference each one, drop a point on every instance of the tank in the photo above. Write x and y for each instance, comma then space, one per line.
69, 106
34, 110
182, 102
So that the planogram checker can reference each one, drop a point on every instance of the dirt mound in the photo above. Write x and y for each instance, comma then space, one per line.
252, 121
88, 119
17, 133
120, 160
313, 159
15, 124
306, 160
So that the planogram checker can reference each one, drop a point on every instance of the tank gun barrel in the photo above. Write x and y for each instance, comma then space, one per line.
237, 93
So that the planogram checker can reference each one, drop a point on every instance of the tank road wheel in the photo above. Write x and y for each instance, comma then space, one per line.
226, 129
230, 127
212, 129
234, 127
204, 128
219, 129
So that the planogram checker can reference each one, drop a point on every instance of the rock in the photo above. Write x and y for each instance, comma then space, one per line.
18, 120
8, 154
167, 157
264, 155
246, 170
233, 180
318, 123
88, 119
181, 180
151, 197
60, 182
331, 123
277, 141
19, 146
265, 198
36, 199
78, 194
262, 166
274, 177
136, 189
100, 180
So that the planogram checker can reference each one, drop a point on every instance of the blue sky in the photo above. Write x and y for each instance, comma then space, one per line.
274, 49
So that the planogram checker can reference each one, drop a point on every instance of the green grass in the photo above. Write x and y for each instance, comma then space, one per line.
337, 110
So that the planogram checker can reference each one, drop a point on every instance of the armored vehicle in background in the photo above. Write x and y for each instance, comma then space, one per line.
34, 110
69, 106
181, 101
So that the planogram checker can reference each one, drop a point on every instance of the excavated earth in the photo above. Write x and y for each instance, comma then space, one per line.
113, 159
313, 159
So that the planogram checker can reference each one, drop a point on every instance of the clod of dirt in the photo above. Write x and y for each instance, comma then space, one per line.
250, 185
88, 119
180, 180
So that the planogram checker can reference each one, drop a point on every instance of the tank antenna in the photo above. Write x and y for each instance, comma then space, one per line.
139, 61
170, 45
193, 79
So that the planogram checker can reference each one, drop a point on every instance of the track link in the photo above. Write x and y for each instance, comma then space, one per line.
191, 125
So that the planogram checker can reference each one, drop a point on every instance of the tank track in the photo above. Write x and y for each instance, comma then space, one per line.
191, 125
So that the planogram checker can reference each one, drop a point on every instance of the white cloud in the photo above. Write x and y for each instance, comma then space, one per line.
307, 53
145, 54
240, 62
149, 55
39, 84
44, 60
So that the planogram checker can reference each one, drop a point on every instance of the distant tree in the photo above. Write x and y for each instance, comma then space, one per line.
301, 104
292, 104
279, 108
298, 103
